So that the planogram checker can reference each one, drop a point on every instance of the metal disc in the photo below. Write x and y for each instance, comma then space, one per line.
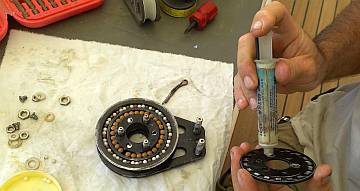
114, 145
298, 167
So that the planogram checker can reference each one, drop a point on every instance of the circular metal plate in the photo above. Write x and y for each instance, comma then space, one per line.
299, 167
116, 146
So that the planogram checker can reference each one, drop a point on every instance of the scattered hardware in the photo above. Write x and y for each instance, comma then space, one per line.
138, 137
15, 144
39, 96
23, 98
24, 114
204, 15
13, 127
50, 117
23, 135
32, 163
14, 137
172, 92
298, 168
143, 10
34, 116
20, 8
65, 100
178, 8
32, 7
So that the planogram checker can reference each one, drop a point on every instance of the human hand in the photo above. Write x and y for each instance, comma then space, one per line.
300, 67
243, 181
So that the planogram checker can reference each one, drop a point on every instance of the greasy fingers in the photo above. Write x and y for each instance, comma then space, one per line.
321, 179
247, 81
245, 181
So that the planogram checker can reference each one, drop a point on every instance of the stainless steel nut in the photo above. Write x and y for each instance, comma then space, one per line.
24, 114
10, 129
15, 144
39, 96
14, 137
32, 163
23, 135
65, 100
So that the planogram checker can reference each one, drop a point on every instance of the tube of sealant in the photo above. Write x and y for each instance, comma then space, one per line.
266, 95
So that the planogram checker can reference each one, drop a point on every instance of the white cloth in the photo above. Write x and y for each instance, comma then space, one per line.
95, 76
329, 128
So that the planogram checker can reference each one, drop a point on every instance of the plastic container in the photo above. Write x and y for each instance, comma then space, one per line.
38, 17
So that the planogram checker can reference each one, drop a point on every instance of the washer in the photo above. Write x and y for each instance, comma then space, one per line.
14, 137
65, 100
23, 135
32, 163
50, 117
297, 166
24, 114
39, 96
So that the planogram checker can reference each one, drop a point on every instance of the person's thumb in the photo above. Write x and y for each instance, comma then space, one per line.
288, 70
245, 181
321, 179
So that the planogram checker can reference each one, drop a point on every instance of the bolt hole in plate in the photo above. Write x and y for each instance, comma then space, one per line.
147, 139
284, 167
28, 180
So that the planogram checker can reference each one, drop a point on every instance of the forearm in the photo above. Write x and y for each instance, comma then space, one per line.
339, 43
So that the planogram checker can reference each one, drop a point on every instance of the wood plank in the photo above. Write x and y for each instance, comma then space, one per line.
329, 85
289, 4
349, 79
293, 101
341, 5
328, 10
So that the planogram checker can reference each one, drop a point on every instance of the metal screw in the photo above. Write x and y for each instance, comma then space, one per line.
23, 98
199, 147
146, 144
34, 116
197, 126
121, 131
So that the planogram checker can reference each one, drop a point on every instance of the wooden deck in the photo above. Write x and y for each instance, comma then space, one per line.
313, 16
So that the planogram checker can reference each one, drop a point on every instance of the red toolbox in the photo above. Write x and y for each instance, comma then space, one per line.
39, 13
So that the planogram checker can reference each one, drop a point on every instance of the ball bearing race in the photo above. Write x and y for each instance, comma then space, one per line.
159, 125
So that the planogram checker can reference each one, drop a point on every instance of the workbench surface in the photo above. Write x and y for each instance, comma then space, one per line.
112, 23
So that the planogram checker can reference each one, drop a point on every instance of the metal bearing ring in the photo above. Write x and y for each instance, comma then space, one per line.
24, 114
39, 96
32, 163
14, 137
15, 144
64, 100
23, 135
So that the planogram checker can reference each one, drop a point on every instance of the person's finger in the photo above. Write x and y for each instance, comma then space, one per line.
235, 155
248, 80
321, 179
245, 147
277, 187
276, 17
240, 99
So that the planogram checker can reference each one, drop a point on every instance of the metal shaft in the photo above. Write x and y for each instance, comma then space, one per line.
197, 126
200, 147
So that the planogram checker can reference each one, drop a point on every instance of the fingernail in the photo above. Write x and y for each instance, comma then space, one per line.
231, 154
240, 102
256, 26
253, 104
240, 176
248, 82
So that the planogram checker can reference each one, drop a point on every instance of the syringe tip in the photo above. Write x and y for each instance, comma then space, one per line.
269, 151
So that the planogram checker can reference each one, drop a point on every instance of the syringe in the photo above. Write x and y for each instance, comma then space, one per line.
266, 95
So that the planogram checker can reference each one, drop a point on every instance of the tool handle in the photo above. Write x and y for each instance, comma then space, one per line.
205, 14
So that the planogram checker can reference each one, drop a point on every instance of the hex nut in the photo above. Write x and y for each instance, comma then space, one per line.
24, 114
10, 129
24, 135
65, 100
